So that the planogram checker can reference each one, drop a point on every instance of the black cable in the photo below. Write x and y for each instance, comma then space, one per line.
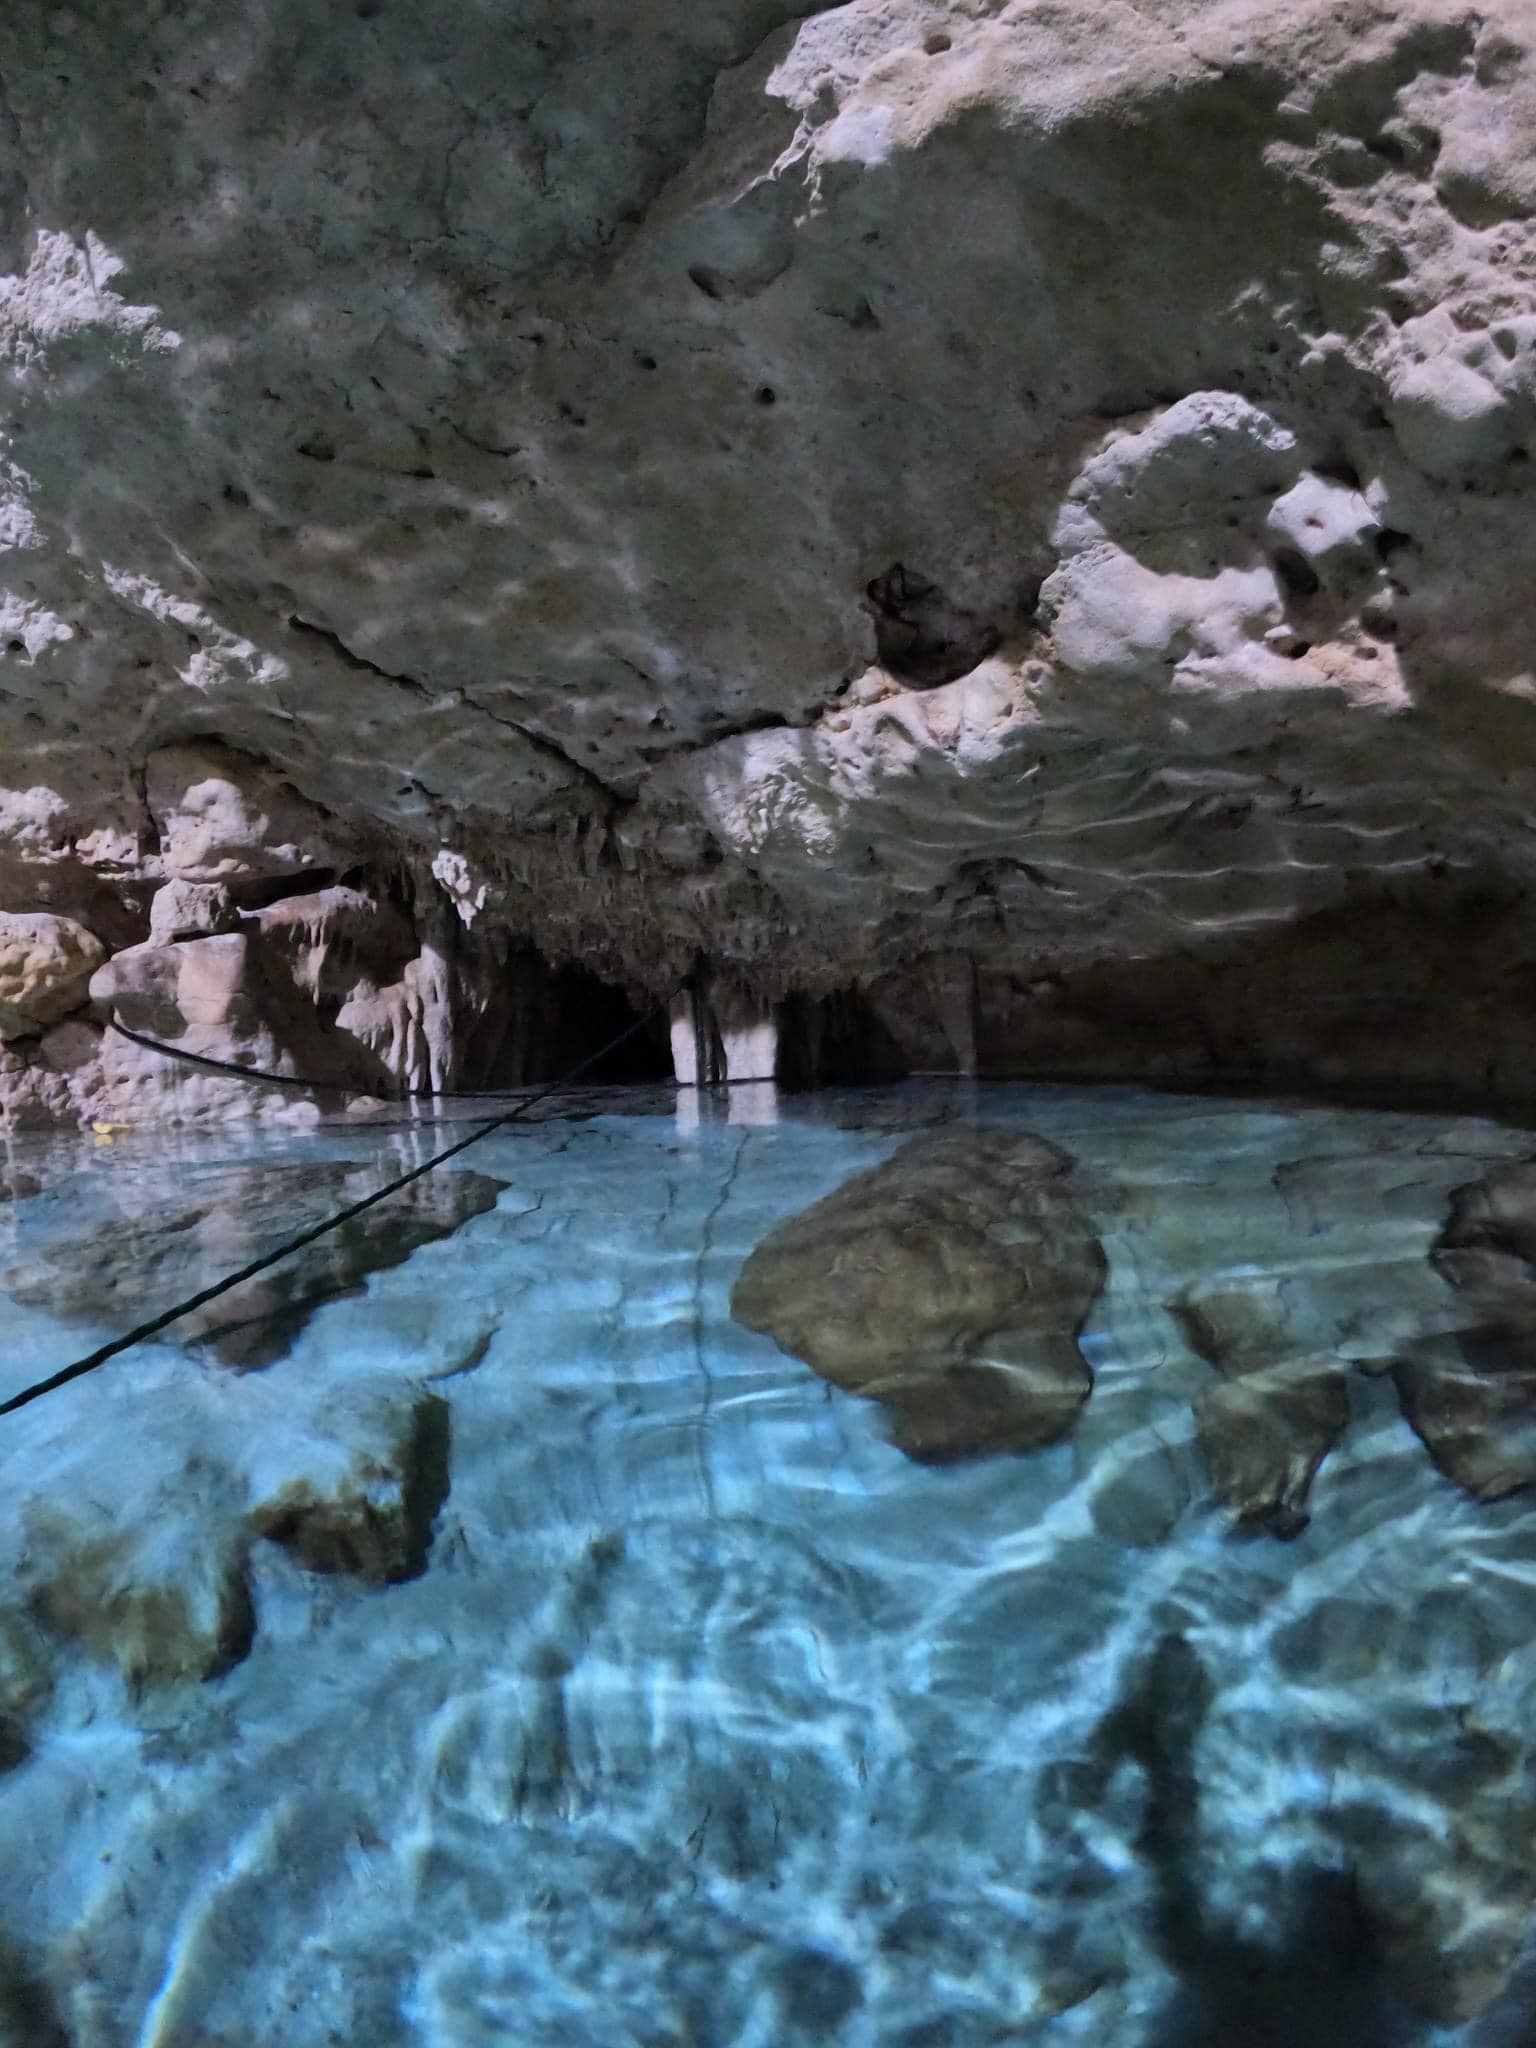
99, 1357
264, 1074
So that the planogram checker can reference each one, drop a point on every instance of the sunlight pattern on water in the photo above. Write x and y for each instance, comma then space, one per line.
713, 1719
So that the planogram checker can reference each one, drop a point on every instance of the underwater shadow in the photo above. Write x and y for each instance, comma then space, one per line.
1316, 1986
1318, 1983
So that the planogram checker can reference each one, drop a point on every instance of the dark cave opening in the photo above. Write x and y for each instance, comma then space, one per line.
586, 1016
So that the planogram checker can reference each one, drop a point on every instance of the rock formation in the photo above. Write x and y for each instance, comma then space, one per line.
949, 1284
1009, 516
372, 1517
1471, 1395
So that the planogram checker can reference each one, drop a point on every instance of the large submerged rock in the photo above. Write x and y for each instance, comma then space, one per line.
1017, 510
949, 1284
170, 1241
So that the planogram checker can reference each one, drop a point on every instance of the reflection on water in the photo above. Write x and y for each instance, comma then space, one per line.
1084, 1593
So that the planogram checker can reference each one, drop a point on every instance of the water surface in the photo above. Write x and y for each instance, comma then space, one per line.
708, 1717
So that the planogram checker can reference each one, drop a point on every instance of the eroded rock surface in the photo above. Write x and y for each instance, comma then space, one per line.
45, 965
949, 1284
785, 485
147, 1566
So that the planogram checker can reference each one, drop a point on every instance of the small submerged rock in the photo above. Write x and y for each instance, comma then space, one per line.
166, 1604
949, 1284
1276, 1413
372, 1519
1471, 1397
146, 1563
215, 1222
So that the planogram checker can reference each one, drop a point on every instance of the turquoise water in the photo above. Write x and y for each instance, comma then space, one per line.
708, 1717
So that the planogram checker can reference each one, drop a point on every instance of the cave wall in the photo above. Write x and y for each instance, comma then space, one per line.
1010, 517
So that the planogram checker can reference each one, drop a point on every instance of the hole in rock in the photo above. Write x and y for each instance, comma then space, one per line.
1389, 148
1338, 469
936, 44
258, 892
766, 395
920, 635
316, 449
1297, 577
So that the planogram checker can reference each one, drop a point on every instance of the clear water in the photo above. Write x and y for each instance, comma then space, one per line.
713, 1720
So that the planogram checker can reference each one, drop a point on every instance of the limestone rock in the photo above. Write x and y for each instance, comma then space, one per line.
190, 910
949, 1284
222, 818
1266, 1429
1264, 1434
46, 965
166, 1606
26, 1680
372, 1518
1474, 1406
197, 1227
1472, 1396
634, 501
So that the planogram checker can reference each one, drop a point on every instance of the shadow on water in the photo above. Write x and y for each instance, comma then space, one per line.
1317, 1982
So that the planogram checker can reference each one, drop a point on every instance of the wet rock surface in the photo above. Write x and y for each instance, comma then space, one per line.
1278, 1413
949, 1284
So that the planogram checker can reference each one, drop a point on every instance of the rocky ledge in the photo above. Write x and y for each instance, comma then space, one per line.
999, 526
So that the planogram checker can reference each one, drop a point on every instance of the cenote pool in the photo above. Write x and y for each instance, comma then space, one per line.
589, 1607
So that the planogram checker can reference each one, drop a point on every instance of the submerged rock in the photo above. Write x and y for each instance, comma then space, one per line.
1278, 1412
1471, 1396
166, 1603
1265, 1432
216, 1222
26, 1680
373, 1517
949, 1284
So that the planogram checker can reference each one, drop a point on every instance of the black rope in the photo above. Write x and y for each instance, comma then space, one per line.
99, 1357
265, 1074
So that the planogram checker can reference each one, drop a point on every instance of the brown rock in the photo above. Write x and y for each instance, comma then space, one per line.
45, 967
165, 1612
1471, 1397
950, 1284
1279, 1411
375, 1521
1264, 1434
